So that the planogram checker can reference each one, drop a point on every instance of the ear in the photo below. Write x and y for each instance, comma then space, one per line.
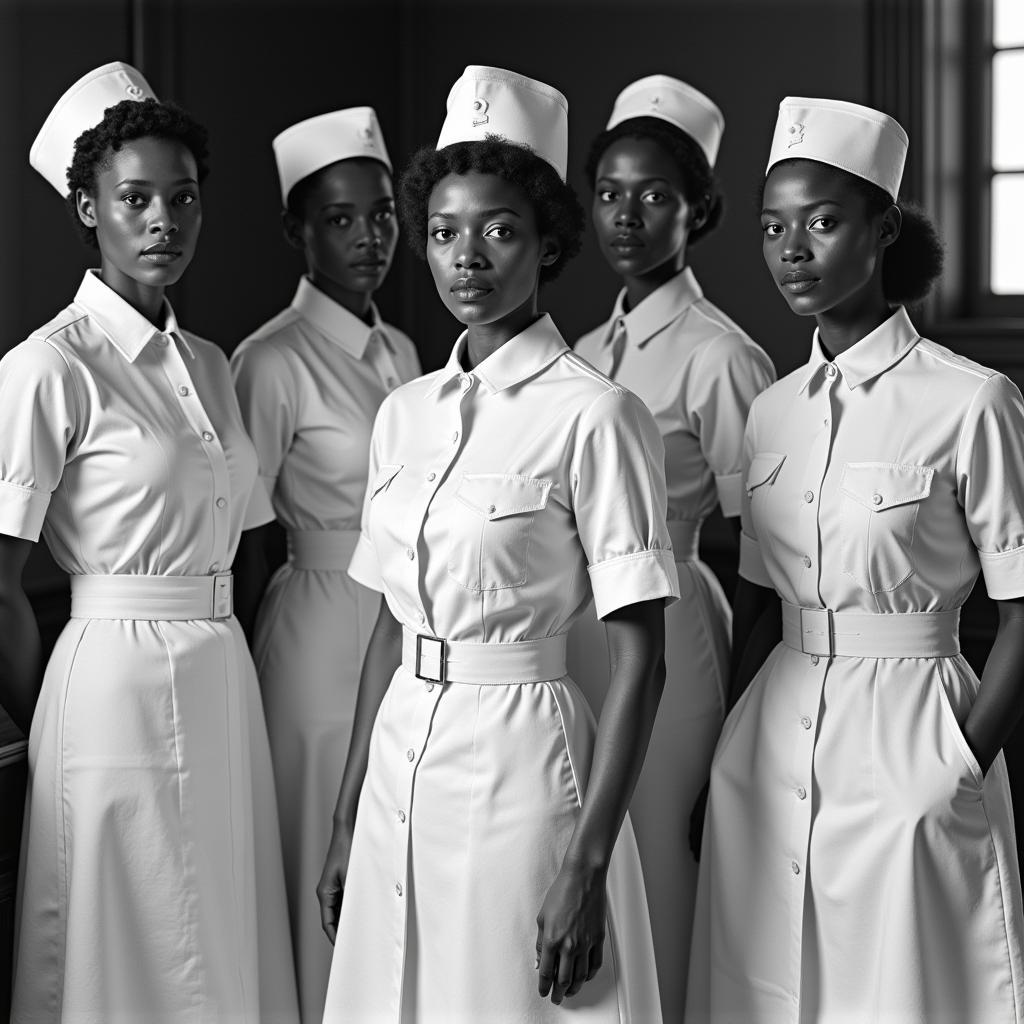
889, 226
699, 213
291, 225
550, 250
86, 207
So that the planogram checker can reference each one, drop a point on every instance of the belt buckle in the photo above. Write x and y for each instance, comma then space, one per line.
223, 595
440, 652
817, 632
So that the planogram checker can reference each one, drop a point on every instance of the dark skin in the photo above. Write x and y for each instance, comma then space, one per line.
147, 215
485, 253
347, 233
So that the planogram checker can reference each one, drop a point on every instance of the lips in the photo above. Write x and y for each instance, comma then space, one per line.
469, 289
626, 244
161, 252
369, 266
798, 281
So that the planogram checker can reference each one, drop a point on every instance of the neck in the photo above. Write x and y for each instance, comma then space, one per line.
146, 299
357, 303
638, 288
843, 326
484, 340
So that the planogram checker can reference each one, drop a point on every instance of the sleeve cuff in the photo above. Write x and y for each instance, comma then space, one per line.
730, 493
752, 566
364, 567
22, 511
259, 511
1004, 573
630, 579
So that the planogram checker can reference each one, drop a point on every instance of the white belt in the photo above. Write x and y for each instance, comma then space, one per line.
152, 597
685, 536
447, 661
321, 549
826, 633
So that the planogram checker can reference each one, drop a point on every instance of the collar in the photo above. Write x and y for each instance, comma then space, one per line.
875, 353
125, 327
520, 358
334, 321
657, 311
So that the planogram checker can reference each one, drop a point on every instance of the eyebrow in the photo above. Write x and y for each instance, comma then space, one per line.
807, 206
484, 213
643, 181
383, 200
144, 183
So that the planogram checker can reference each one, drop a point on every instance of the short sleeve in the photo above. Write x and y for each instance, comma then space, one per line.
364, 566
729, 373
990, 484
38, 419
268, 398
619, 499
751, 567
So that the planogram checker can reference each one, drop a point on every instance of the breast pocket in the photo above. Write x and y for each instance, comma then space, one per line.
879, 504
492, 522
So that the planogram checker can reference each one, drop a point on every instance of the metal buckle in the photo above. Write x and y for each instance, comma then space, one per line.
817, 632
440, 653
223, 596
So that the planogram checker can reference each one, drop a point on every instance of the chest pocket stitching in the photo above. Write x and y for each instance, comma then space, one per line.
764, 468
496, 506
863, 481
385, 474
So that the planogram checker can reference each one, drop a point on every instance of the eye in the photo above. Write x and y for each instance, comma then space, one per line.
132, 199
823, 223
384, 215
442, 234
340, 221
654, 198
606, 195
772, 229
498, 231
185, 198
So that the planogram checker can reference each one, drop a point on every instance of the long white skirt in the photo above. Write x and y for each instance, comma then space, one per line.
151, 887
678, 760
470, 798
311, 635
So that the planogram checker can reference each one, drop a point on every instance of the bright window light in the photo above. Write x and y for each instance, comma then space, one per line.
1007, 277
1008, 23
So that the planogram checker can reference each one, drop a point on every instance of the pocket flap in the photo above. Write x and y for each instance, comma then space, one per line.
764, 468
881, 485
494, 495
385, 474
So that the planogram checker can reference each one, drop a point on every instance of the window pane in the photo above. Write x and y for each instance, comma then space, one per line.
1008, 23
1007, 91
1007, 232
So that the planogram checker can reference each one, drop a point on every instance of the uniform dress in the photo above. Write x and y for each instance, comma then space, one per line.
151, 883
698, 373
857, 866
309, 383
500, 499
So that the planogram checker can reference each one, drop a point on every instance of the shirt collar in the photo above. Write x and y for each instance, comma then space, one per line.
334, 321
520, 358
875, 353
125, 327
657, 311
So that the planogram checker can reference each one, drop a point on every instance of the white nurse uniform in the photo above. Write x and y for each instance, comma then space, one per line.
309, 383
857, 866
698, 373
501, 499
151, 886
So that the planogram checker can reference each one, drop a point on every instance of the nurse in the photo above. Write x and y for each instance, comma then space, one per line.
859, 860
309, 383
655, 196
488, 867
151, 884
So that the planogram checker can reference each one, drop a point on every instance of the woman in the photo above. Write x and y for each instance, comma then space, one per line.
859, 861
480, 857
654, 197
309, 383
151, 885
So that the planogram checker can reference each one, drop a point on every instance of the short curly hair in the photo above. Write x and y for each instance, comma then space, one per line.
125, 122
699, 182
555, 205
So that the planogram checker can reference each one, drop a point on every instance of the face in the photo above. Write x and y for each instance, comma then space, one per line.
348, 231
640, 212
146, 213
821, 246
484, 248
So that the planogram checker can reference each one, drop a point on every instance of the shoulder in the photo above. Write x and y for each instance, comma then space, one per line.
39, 357
723, 337
281, 326
399, 338
945, 361
588, 344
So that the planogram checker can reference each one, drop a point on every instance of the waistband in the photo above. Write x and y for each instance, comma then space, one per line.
152, 597
824, 632
321, 549
685, 536
446, 661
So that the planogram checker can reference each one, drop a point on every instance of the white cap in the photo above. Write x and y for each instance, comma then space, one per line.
680, 104
490, 101
853, 138
318, 141
80, 108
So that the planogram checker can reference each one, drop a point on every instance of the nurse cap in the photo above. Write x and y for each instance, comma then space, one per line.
490, 101
680, 104
308, 146
857, 139
80, 108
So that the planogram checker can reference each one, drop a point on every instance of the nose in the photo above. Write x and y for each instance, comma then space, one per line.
795, 250
627, 214
161, 218
468, 255
369, 234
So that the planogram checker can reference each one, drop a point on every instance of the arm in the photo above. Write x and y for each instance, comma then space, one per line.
255, 561
1000, 701
571, 923
19, 636
383, 656
756, 629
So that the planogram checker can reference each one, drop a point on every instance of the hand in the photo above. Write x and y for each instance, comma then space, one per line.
700, 806
570, 932
332, 880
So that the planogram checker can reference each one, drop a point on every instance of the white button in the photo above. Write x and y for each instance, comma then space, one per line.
410, 554
793, 865
207, 436
430, 687
830, 370
876, 499
464, 381
804, 721
815, 659
807, 561
800, 792
825, 421
161, 340
455, 437
215, 567
492, 509
808, 496
410, 754
431, 477
398, 888
183, 391
421, 618
401, 816
222, 503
